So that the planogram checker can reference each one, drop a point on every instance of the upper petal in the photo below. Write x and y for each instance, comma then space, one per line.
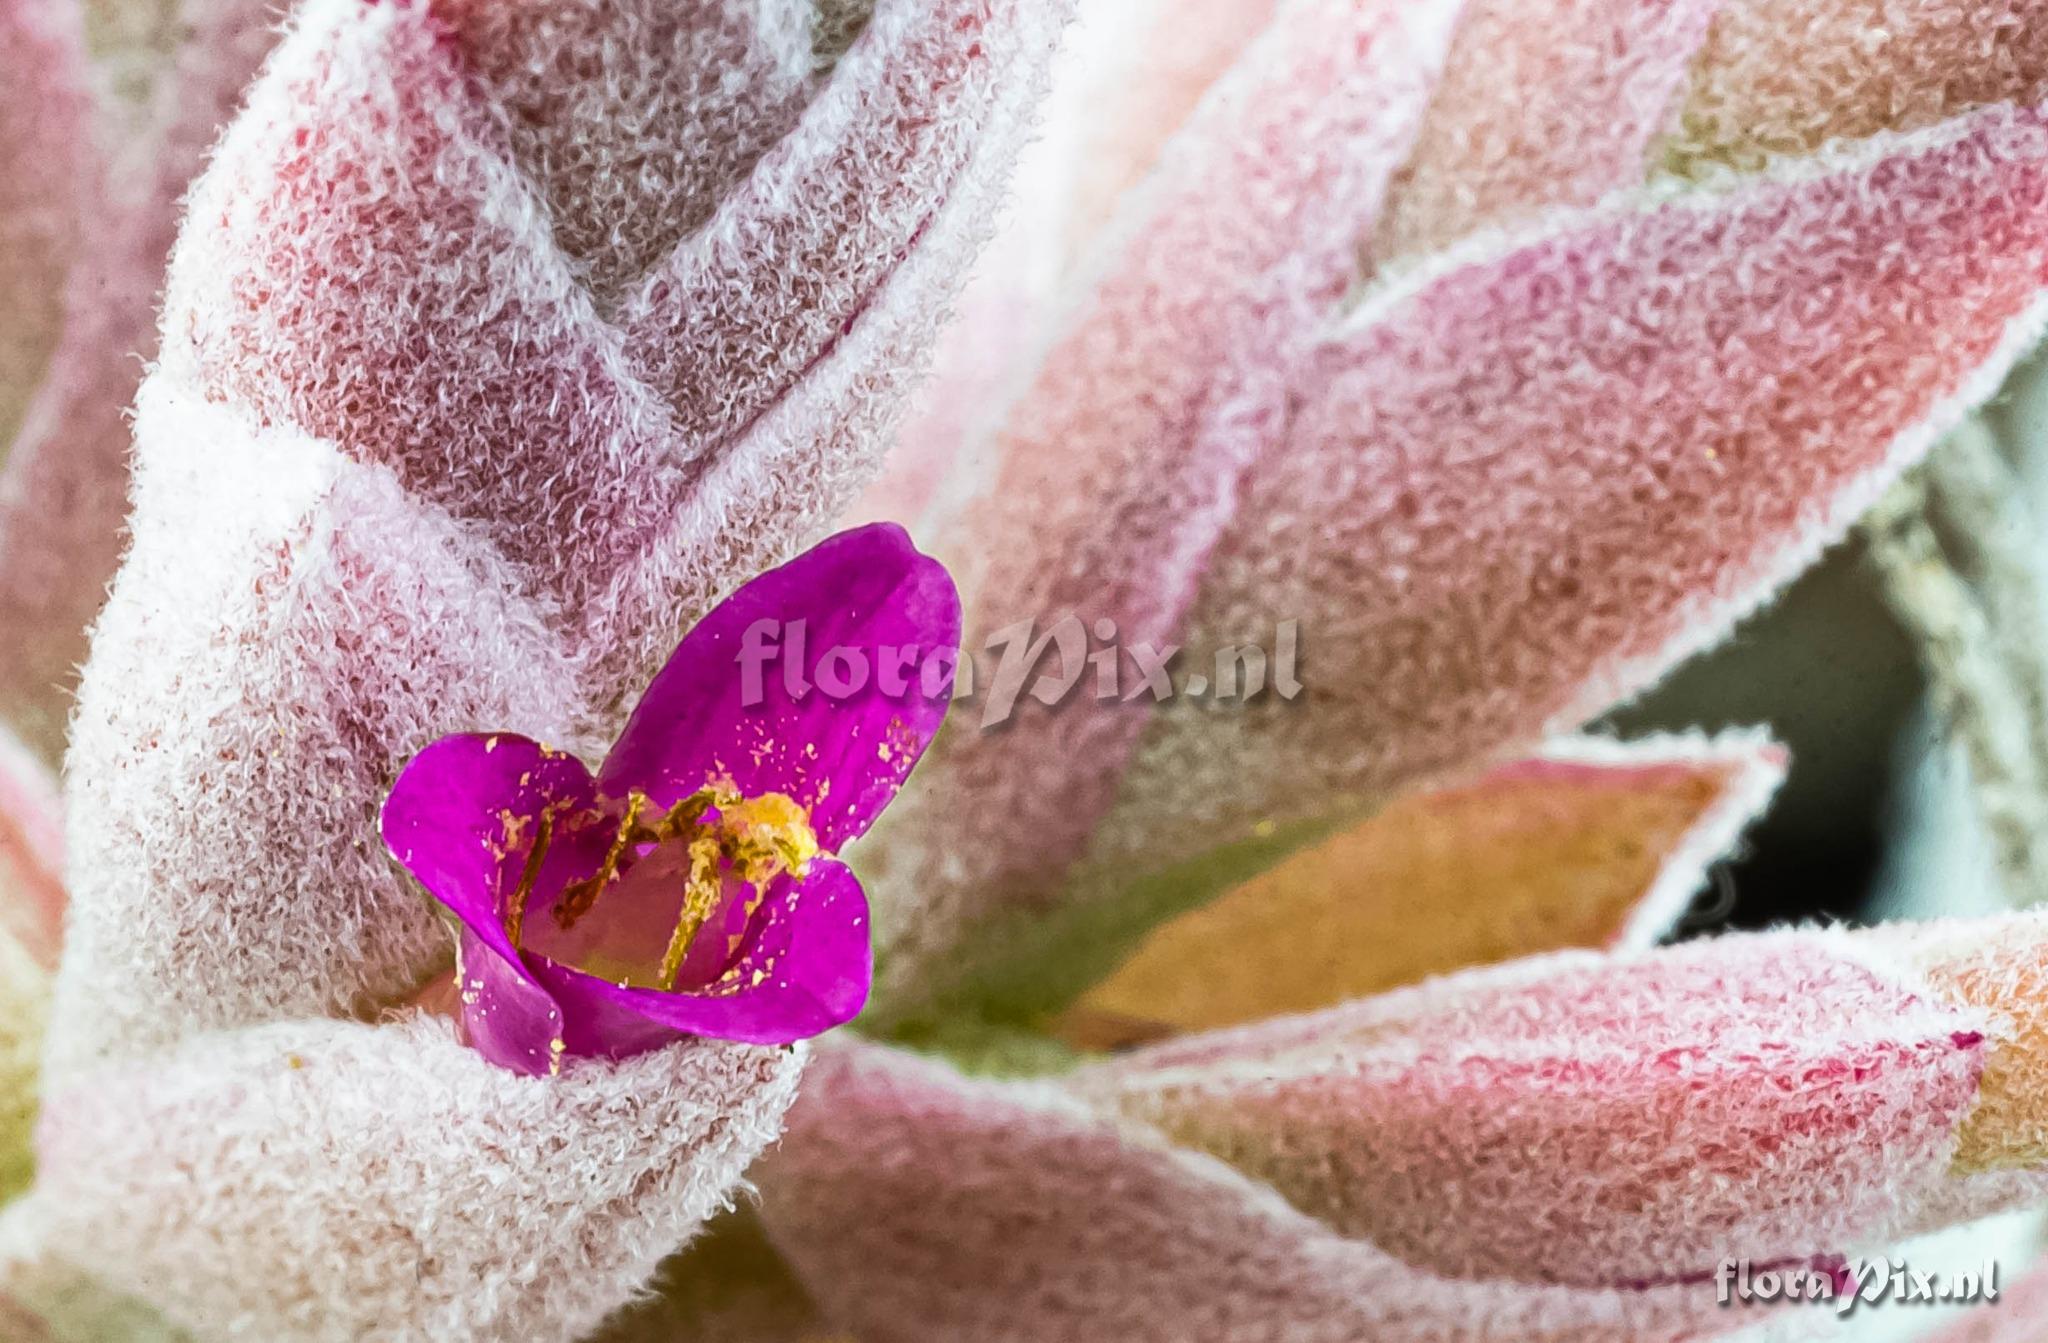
753, 694
462, 816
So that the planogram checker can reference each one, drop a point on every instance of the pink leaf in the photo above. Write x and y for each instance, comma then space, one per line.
918, 1205
46, 167
1139, 70
1543, 472
260, 677
327, 1180
1596, 1120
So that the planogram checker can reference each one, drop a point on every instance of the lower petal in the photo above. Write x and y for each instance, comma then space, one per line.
806, 970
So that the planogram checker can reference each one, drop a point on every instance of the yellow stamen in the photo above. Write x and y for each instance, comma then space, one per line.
755, 841
751, 841
700, 898
581, 898
769, 835
515, 915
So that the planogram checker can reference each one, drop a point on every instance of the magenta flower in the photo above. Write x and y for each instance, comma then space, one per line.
690, 887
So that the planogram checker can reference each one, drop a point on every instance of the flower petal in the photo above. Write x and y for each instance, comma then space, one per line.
1591, 844
1601, 1119
779, 726
1553, 102
507, 1016
1787, 76
1117, 462
805, 970
917, 1205
473, 1203
455, 816
455, 819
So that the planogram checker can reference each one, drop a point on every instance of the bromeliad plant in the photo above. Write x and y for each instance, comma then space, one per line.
504, 339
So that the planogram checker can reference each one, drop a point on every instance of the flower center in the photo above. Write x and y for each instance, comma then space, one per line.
709, 859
